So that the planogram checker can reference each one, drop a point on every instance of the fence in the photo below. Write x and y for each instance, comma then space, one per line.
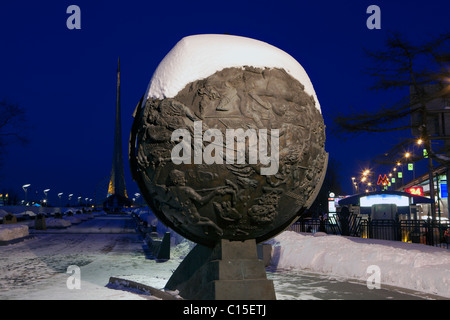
415, 231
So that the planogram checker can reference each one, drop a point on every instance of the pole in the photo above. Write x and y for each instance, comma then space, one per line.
448, 192
438, 198
431, 181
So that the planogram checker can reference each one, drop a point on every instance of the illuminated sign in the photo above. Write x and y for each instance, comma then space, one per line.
383, 180
418, 191
331, 205
443, 190
368, 201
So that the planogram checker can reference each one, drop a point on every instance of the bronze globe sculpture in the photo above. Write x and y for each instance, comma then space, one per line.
234, 152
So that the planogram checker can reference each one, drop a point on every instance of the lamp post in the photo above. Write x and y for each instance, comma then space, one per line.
354, 185
407, 156
46, 198
59, 196
137, 195
25, 188
70, 197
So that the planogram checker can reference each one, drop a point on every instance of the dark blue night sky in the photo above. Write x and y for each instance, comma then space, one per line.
66, 79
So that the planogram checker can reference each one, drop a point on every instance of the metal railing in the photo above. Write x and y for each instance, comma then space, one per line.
414, 231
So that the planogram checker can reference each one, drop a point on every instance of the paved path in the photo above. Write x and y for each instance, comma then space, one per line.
108, 246
102, 247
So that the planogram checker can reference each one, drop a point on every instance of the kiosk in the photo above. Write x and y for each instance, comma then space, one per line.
385, 205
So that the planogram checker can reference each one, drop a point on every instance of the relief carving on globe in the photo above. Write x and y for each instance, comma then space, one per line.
207, 193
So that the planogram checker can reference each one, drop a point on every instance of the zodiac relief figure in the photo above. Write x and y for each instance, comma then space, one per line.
179, 200
266, 210
160, 119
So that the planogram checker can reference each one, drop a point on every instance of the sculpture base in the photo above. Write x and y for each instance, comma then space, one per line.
160, 247
229, 271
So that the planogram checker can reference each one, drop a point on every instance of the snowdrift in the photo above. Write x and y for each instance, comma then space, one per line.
411, 266
10, 232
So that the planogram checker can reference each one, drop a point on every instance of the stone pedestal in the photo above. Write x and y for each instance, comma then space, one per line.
39, 223
229, 271
160, 247
9, 219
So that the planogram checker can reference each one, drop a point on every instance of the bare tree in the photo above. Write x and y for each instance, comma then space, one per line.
402, 65
415, 67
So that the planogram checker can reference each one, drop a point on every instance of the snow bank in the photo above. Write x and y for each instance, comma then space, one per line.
73, 219
200, 56
412, 266
57, 223
10, 232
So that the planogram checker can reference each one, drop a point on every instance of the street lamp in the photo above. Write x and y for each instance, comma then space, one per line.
70, 197
25, 188
137, 195
407, 155
59, 195
354, 184
46, 199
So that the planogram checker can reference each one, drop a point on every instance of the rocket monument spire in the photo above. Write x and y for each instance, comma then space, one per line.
117, 193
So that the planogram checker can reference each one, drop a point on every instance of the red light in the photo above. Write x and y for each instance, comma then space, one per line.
383, 180
418, 191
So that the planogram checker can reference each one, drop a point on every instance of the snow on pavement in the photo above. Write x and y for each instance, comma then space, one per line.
37, 268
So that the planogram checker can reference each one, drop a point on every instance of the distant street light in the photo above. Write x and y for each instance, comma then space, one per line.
59, 195
407, 155
25, 188
46, 199
137, 195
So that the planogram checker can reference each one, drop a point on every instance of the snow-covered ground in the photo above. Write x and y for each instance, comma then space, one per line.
413, 266
303, 266
102, 247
